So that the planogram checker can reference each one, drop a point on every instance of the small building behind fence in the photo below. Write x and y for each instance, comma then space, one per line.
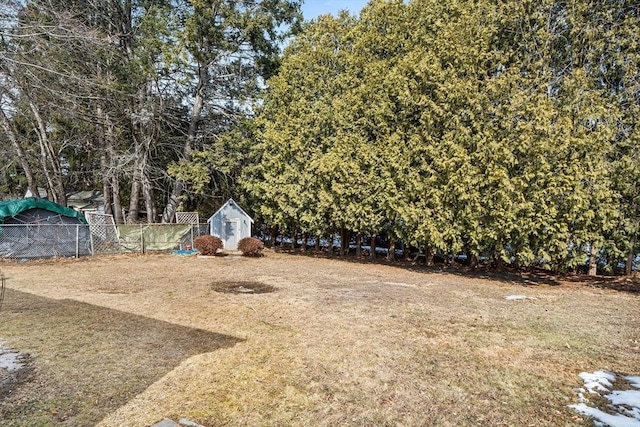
86, 201
231, 224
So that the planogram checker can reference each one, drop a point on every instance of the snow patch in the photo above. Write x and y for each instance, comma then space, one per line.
518, 297
10, 360
623, 407
635, 381
604, 418
399, 284
598, 381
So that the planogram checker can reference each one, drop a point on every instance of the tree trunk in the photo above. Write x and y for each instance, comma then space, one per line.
498, 262
330, 244
628, 268
198, 104
372, 252
171, 208
48, 153
317, 243
147, 191
22, 155
593, 260
628, 265
358, 245
391, 253
473, 261
101, 137
274, 236
142, 139
45, 172
149, 200
305, 238
106, 183
118, 215
136, 186
428, 254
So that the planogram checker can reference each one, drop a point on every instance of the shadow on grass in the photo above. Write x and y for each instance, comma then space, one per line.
506, 275
87, 361
630, 284
536, 277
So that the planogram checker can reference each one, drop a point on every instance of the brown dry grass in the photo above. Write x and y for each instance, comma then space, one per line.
129, 340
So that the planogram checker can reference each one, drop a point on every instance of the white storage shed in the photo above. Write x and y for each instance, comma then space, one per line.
231, 224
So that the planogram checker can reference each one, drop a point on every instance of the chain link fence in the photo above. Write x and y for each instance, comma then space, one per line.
37, 241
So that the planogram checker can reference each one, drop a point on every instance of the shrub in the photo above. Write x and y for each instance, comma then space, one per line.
250, 246
207, 245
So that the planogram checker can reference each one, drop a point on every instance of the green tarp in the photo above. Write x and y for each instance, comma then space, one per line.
162, 237
15, 207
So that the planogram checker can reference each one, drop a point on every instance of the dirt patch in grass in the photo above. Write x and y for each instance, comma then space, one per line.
243, 287
133, 340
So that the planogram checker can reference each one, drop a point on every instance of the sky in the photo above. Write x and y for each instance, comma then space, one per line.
313, 8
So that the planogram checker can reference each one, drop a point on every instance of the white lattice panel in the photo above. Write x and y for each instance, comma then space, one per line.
187, 218
104, 234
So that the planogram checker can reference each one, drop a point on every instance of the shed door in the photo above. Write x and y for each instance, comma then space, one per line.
231, 234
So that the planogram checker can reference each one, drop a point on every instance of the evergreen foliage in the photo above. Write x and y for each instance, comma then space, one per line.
506, 130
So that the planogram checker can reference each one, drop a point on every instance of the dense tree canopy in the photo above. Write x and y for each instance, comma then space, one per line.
501, 129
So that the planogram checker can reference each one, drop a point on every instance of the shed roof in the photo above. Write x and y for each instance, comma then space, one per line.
42, 192
230, 202
85, 199
12, 208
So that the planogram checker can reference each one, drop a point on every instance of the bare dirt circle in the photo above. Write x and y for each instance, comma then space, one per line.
243, 287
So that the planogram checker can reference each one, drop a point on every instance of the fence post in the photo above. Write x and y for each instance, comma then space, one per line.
141, 238
93, 252
77, 240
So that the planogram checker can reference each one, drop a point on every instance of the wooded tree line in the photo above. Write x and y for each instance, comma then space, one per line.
499, 128
123, 95
507, 129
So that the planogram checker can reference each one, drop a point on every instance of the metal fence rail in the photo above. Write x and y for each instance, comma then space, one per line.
38, 241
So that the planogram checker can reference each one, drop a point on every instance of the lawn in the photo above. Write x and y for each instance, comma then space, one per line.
131, 340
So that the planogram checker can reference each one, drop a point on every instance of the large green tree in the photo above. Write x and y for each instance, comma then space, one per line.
502, 130
293, 181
